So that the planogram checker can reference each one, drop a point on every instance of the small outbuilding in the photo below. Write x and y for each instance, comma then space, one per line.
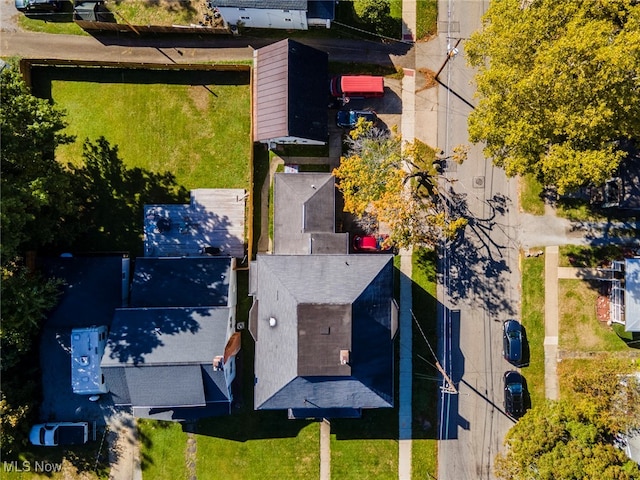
285, 14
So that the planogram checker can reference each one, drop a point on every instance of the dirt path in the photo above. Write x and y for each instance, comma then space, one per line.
124, 449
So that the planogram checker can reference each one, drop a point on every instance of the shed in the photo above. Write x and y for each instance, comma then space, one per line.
287, 14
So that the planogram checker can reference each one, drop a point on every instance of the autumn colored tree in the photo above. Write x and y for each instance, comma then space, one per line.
576, 439
558, 86
396, 184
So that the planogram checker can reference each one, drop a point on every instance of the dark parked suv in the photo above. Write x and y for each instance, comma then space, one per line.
513, 394
512, 342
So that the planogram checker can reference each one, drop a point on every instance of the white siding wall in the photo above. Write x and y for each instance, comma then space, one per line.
265, 18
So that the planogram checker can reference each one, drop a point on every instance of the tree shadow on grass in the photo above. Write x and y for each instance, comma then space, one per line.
250, 425
112, 198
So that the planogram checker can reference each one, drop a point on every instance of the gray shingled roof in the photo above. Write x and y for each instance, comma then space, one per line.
166, 386
305, 206
166, 336
181, 282
163, 356
356, 294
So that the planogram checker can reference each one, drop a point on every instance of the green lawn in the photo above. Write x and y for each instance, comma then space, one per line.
56, 463
51, 22
533, 321
396, 8
425, 388
156, 12
530, 195
580, 329
426, 18
366, 447
43, 23
258, 445
162, 450
591, 257
199, 131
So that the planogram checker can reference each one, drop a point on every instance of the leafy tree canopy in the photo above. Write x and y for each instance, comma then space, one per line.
396, 184
559, 87
376, 14
575, 440
36, 194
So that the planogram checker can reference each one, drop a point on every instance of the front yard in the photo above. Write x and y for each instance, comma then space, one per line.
583, 339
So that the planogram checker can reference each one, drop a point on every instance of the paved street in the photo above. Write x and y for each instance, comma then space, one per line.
479, 276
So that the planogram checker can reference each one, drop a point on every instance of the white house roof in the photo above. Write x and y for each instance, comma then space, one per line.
632, 294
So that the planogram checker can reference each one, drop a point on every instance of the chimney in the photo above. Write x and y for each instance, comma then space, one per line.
218, 363
345, 357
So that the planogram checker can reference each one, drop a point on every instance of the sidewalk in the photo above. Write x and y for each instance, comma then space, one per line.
551, 323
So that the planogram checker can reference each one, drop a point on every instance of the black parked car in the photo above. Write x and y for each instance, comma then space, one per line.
514, 394
512, 342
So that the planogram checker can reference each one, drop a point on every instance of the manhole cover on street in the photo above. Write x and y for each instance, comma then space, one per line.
478, 182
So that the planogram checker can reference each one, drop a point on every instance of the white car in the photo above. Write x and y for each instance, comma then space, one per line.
59, 433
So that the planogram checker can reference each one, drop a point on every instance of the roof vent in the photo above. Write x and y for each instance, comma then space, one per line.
345, 357
272, 321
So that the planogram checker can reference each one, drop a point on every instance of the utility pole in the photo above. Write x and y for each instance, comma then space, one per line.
449, 385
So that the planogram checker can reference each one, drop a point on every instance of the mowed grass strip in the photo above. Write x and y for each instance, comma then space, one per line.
366, 447
533, 321
531, 195
162, 450
200, 133
258, 446
426, 18
364, 458
580, 329
424, 452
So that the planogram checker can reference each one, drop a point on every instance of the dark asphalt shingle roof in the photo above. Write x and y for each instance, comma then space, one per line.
163, 356
360, 287
92, 289
180, 282
290, 92
166, 386
166, 336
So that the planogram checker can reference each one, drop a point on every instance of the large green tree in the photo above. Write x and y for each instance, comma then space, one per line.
36, 202
558, 86
567, 440
36, 196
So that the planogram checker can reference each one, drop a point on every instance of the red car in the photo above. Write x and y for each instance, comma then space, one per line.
370, 243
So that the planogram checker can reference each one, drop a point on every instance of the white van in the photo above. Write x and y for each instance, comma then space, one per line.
87, 347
